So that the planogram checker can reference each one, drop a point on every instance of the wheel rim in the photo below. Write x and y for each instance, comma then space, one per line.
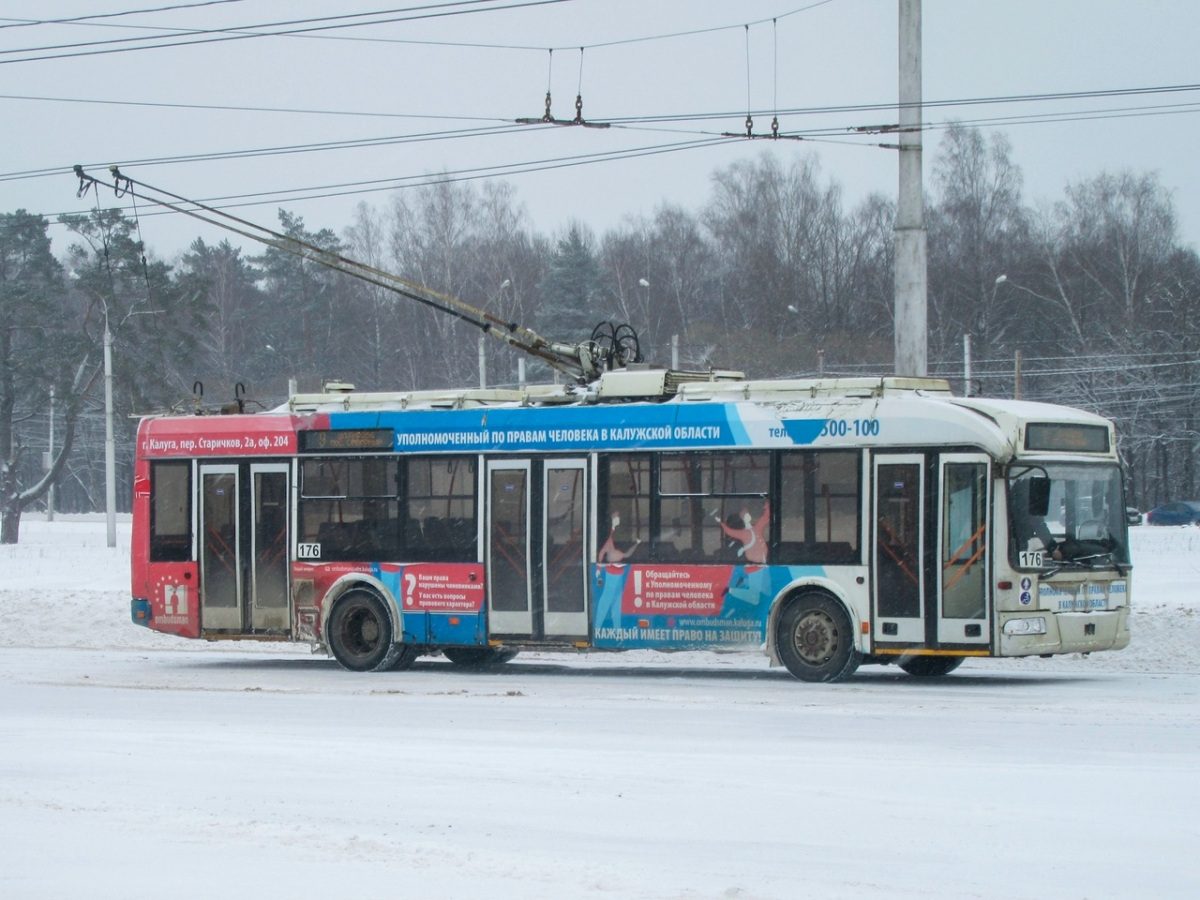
360, 632
815, 637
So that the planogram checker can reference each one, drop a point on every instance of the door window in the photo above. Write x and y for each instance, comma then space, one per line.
964, 541
898, 540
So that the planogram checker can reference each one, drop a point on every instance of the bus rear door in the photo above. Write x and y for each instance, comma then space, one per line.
538, 510
245, 521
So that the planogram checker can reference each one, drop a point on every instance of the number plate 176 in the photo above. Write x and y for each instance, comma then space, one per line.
1028, 559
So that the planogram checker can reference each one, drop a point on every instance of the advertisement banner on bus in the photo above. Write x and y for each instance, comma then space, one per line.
435, 587
648, 606
694, 426
218, 436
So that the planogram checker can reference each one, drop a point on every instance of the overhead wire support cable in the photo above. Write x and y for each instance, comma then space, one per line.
284, 150
579, 361
775, 77
871, 107
84, 20
468, 174
318, 192
193, 37
91, 19
695, 31
750, 133
547, 118
749, 119
225, 107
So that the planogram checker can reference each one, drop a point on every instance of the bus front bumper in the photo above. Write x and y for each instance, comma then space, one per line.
1065, 632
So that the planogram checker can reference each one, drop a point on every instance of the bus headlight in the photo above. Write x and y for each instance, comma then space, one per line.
1034, 625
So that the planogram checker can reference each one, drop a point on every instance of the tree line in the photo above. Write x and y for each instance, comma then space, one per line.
775, 274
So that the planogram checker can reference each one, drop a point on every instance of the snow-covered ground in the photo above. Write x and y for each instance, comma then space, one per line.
137, 765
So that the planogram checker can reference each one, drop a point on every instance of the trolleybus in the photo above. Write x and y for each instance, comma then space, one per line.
825, 523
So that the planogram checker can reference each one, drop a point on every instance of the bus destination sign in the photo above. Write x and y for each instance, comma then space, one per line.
342, 440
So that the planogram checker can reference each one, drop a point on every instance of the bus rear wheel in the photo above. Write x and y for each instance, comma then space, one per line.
815, 640
360, 635
478, 657
931, 666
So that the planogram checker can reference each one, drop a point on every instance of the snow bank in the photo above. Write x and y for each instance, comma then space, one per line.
62, 586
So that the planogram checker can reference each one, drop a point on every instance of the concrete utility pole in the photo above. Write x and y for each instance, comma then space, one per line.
911, 344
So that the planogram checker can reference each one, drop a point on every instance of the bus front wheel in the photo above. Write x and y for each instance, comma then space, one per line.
360, 635
815, 640
931, 666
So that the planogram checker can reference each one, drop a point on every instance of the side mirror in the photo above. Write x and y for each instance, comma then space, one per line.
1039, 496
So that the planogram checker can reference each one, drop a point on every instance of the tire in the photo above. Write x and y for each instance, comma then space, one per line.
403, 658
931, 666
478, 657
360, 634
815, 640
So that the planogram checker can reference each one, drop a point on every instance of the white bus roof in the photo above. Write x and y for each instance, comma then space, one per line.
880, 412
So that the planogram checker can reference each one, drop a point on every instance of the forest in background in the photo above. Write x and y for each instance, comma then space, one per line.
776, 275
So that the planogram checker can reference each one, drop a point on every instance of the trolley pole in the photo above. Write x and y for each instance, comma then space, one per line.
911, 338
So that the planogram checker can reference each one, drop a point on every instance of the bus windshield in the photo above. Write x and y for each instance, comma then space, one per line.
1064, 514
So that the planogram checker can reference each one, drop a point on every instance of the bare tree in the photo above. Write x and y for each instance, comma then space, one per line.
978, 238
794, 265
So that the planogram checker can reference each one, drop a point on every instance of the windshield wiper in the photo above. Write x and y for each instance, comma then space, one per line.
1084, 562
1109, 555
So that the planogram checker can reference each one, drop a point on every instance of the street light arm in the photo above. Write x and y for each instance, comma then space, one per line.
1061, 301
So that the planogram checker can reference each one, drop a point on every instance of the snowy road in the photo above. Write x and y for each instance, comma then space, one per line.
135, 765
230, 774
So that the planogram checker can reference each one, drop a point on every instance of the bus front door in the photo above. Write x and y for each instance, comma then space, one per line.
537, 549
964, 601
244, 522
898, 557
930, 553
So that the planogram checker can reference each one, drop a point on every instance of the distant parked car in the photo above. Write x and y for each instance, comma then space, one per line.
1181, 512
1132, 516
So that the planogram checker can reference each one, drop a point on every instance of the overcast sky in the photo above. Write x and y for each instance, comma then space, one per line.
648, 66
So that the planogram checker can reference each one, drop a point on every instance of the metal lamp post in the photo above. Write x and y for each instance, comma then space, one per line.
110, 451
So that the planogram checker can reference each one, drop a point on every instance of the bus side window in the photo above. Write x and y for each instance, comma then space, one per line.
349, 507
820, 504
625, 522
713, 508
440, 520
170, 511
